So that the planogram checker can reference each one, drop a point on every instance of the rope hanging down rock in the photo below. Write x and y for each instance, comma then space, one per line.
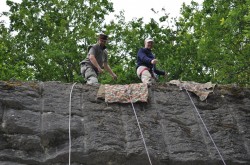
70, 121
139, 126
205, 127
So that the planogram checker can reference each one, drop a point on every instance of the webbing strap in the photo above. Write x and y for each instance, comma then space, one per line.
152, 74
144, 69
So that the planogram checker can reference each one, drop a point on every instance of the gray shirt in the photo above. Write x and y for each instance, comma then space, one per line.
101, 55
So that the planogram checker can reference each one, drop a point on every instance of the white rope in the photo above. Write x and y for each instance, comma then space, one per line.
139, 128
205, 127
69, 122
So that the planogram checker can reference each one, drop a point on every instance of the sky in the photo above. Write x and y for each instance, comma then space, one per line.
142, 8
136, 8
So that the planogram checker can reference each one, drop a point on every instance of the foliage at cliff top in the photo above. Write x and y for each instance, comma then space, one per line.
47, 39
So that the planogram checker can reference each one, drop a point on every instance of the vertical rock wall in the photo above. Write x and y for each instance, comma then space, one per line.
34, 128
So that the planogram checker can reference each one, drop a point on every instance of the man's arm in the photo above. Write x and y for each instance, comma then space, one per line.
107, 68
143, 57
159, 72
95, 63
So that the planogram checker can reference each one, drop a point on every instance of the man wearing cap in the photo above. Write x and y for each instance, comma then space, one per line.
96, 61
146, 63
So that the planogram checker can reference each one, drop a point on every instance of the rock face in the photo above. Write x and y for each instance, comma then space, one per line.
35, 126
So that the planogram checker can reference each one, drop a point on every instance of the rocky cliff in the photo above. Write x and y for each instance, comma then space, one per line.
35, 126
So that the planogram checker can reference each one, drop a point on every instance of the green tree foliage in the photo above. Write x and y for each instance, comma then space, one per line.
51, 34
12, 64
218, 33
47, 39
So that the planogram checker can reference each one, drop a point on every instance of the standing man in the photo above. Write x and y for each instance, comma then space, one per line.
146, 63
96, 61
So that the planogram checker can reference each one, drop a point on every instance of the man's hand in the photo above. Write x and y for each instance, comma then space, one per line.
114, 76
100, 70
154, 61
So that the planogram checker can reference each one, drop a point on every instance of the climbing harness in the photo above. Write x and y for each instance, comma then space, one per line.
70, 121
153, 74
139, 126
144, 69
205, 127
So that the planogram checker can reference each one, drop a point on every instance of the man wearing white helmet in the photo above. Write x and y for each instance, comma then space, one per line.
146, 63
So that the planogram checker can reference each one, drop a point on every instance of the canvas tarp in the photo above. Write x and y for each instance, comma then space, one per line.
122, 93
201, 90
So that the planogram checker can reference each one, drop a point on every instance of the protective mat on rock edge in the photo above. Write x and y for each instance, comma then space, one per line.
201, 90
122, 93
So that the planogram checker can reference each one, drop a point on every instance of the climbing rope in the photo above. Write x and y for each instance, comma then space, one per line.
205, 127
139, 127
70, 122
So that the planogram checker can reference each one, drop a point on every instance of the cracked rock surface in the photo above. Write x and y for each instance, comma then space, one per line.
34, 128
